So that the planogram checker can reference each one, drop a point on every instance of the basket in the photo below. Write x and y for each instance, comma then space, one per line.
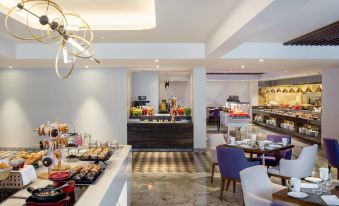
4, 173
13, 181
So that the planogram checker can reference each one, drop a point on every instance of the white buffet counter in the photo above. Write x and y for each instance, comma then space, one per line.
112, 188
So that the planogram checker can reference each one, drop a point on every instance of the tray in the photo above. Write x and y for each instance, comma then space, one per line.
87, 182
97, 160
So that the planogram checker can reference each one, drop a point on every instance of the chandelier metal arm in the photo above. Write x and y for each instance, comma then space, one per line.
59, 27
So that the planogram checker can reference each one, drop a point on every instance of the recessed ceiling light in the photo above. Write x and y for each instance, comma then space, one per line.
243, 66
102, 37
156, 60
86, 66
158, 66
10, 67
171, 80
285, 71
261, 60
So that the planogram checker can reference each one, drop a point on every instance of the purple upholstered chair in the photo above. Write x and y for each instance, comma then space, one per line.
285, 154
332, 151
231, 161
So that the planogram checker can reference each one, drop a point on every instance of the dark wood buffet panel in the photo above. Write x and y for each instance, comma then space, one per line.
160, 136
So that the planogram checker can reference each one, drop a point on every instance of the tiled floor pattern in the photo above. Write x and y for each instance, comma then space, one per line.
168, 162
183, 178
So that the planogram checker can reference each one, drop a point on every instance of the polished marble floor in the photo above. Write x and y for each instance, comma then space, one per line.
183, 178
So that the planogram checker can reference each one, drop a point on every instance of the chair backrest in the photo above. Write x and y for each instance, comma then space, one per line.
332, 151
307, 158
286, 154
256, 181
215, 140
231, 161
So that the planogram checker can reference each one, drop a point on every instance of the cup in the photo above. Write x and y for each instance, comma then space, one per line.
254, 137
294, 184
323, 172
261, 144
284, 141
232, 140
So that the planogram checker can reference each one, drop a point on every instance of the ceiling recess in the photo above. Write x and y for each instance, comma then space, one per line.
325, 36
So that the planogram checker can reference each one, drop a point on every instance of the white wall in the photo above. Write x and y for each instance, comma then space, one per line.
217, 92
94, 100
146, 83
330, 102
181, 89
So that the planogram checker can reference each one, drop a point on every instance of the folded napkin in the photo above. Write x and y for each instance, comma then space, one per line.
308, 186
330, 199
28, 174
245, 146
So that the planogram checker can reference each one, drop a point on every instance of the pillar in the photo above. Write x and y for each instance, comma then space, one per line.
330, 104
199, 107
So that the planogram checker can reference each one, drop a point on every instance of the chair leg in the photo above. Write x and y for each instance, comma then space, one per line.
222, 187
234, 185
213, 169
228, 184
329, 168
283, 181
338, 173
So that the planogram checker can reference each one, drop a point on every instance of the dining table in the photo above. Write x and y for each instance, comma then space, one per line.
255, 149
310, 200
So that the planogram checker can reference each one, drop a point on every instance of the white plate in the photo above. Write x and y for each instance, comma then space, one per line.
232, 144
312, 179
298, 195
274, 145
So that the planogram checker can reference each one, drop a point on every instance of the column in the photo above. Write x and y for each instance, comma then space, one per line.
199, 107
330, 103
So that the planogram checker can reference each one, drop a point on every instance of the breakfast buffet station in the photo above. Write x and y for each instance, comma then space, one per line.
291, 106
67, 168
169, 130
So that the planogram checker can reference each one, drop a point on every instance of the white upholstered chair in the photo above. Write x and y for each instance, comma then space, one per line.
215, 140
257, 187
299, 168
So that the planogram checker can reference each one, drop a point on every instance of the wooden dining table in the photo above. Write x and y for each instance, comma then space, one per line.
256, 150
311, 200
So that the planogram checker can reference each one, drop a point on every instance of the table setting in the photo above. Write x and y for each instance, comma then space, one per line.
321, 190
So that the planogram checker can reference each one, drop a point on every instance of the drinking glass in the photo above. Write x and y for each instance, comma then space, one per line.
318, 190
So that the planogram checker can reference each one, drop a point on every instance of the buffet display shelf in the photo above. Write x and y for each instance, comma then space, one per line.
315, 140
112, 188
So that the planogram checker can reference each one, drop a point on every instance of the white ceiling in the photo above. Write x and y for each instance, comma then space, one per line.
179, 22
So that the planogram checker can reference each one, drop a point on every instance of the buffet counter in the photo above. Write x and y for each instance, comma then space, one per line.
160, 135
302, 124
113, 187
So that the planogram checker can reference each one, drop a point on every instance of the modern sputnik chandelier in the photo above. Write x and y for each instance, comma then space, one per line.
68, 29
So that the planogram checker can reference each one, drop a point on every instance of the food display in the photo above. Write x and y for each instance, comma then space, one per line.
16, 163
5, 170
87, 174
136, 111
239, 109
31, 158
96, 153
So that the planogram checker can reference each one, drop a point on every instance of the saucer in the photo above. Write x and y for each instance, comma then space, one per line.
312, 179
298, 195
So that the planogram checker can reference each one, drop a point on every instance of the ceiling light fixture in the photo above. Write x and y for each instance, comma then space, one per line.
73, 34
243, 66
86, 66
156, 60
158, 66
261, 60
10, 67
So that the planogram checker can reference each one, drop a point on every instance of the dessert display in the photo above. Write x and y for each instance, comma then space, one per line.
96, 153
87, 174
16, 163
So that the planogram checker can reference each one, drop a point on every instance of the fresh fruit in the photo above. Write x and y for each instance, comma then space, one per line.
187, 111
